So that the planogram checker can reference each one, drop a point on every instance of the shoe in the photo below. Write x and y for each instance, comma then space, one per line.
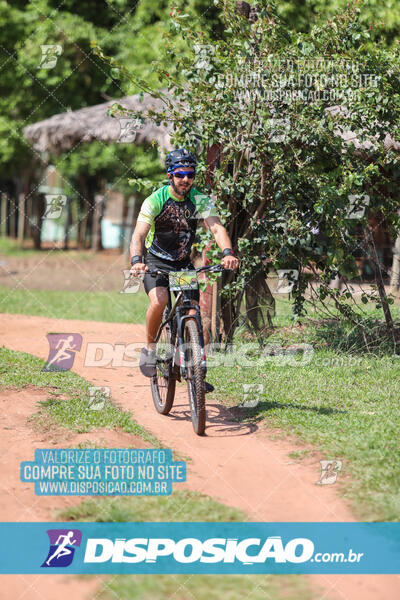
147, 364
208, 387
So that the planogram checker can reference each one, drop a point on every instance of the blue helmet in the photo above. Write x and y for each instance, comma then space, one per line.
180, 158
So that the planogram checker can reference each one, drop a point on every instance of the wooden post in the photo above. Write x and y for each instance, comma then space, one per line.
97, 216
12, 216
21, 218
68, 222
28, 217
129, 224
3, 218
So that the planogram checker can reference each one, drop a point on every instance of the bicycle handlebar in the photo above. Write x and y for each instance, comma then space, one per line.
210, 268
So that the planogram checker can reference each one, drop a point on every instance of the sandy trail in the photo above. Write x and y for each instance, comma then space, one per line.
237, 464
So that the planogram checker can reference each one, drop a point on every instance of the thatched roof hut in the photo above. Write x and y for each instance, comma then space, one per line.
63, 131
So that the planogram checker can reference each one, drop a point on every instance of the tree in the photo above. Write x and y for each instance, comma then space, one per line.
287, 174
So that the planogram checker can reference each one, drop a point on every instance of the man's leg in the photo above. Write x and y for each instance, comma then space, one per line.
158, 297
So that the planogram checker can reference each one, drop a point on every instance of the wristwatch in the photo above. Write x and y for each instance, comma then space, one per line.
228, 252
137, 259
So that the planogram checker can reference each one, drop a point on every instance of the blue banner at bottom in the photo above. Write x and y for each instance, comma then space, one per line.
213, 548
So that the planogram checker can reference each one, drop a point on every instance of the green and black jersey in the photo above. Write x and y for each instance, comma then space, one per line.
174, 222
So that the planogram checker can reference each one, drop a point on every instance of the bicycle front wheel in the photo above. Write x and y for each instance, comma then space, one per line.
195, 376
163, 383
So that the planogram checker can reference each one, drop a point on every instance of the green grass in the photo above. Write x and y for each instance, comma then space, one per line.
68, 404
11, 247
206, 587
111, 307
348, 406
182, 506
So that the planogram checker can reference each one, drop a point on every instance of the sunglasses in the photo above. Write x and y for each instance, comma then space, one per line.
183, 174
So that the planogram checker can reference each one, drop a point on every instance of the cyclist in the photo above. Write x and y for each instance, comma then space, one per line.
166, 225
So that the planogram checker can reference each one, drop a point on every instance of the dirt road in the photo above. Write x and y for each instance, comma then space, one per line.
237, 464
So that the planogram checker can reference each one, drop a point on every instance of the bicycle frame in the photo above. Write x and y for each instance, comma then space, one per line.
177, 310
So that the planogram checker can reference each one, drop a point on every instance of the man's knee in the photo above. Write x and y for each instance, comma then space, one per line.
158, 298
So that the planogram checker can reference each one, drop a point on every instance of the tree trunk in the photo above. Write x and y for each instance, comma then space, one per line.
395, 276
260, 303
371, 250
12, 216
216, 310
228, 308
38, 210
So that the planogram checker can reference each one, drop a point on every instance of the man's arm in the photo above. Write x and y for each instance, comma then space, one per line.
222, 238
136, 247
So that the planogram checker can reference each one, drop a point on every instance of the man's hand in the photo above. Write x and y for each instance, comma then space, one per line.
139, 268
230, 262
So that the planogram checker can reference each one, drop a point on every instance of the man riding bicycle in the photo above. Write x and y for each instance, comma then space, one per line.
167, 225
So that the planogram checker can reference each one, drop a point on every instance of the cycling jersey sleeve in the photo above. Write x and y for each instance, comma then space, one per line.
148, 211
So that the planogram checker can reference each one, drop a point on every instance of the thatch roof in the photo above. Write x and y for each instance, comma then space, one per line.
63, 131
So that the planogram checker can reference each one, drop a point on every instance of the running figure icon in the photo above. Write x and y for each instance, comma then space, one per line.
63, 543
62, 549
63, 347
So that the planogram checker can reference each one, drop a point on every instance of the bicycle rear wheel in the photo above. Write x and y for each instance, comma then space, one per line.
195, 376
163, 383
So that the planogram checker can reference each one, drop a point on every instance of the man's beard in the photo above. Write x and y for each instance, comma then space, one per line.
180, 193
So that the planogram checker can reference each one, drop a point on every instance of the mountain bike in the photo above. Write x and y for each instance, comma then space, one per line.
180, 346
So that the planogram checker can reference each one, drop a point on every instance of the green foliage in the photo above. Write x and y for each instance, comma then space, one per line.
379, 17
285, 179
131, 31
113, 163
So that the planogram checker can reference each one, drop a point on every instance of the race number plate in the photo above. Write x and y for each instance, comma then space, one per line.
183, 280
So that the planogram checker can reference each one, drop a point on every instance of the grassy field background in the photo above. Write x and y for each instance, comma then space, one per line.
341, 398
18, 370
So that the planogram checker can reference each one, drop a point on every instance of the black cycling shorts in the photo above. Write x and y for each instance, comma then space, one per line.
154, 262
